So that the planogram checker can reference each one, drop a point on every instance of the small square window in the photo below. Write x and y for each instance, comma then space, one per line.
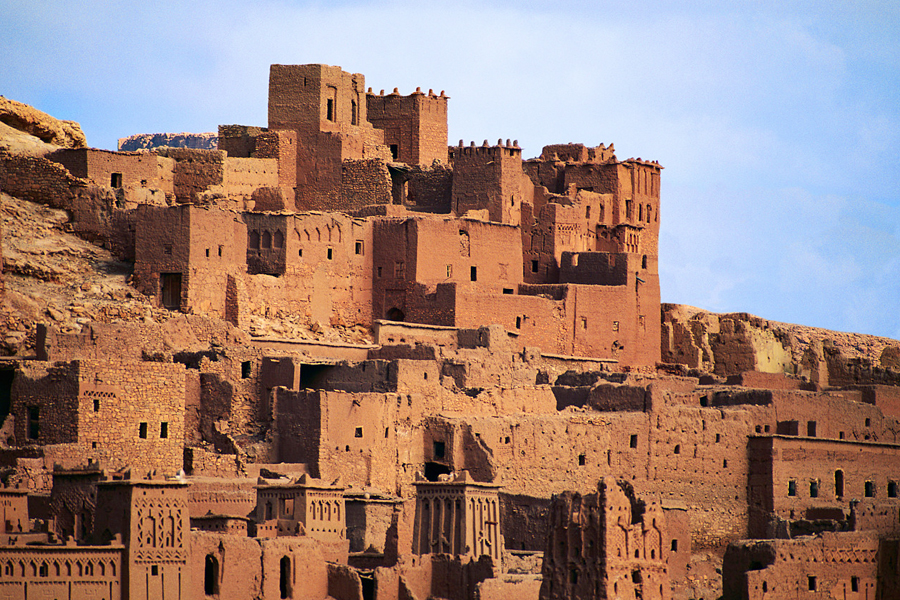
300, 252
534, 266
674, 546
581, 460
358, 432
633, 442
440, 449
868, 422
167, 249
892, 489
854, 584
792, 488
164, 430
358, 248
207, 253
330, 254
473, 273
220, 250
246, 369
142, 431
812, 583
96, 404
378, 272
870, 489
814, 488
154, 570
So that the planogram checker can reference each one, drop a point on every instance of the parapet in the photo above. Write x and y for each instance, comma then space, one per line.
501, 149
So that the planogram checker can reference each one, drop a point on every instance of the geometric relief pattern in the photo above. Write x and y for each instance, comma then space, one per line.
160, 529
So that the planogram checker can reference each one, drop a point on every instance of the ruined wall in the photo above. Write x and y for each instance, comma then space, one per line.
607, 544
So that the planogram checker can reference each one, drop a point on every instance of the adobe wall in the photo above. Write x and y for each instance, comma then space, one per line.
230, 563
324, 267
430, 187
415, 126
94, 571
199, 246
485, 257
136, 173
239, 141
243, 176
830, 565
792, 476
195, 171
363, 182
490, 177
118, 414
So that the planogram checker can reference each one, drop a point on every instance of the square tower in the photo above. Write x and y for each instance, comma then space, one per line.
151, 516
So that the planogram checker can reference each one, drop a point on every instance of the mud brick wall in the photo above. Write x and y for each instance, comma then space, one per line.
831, 565
416, 124
364, 182
430, 187
239, 141
126, 170
38, 179
195, 171
94, 571
242, 176
490, 177
118, 414
837, 471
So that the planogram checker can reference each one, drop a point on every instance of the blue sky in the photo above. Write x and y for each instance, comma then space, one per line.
778, 123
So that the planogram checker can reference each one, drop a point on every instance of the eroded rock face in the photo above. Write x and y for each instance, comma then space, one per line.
147, 141
32, 121
730, 344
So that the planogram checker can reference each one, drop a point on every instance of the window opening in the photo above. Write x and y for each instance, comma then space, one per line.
674, 545
142, 431
358, 247
358, 433
329, 114
439, 449
115, 180
633, 441
164, 430
839, 484
534, 266
870, 489
812, 583
792, 488
582, 459
473, 273
34, 422
518, 322
96, 405
892, 489
246, 369
285, 579
811, 429
211, 576
814, 488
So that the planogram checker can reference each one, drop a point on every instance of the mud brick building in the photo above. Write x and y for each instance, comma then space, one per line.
510, 414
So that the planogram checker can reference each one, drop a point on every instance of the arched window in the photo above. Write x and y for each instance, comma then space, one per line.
211, 576
253, 240
278, 239
266, 240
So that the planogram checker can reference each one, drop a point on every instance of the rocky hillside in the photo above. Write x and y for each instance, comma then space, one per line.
148, 141
728, 344
25, 118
